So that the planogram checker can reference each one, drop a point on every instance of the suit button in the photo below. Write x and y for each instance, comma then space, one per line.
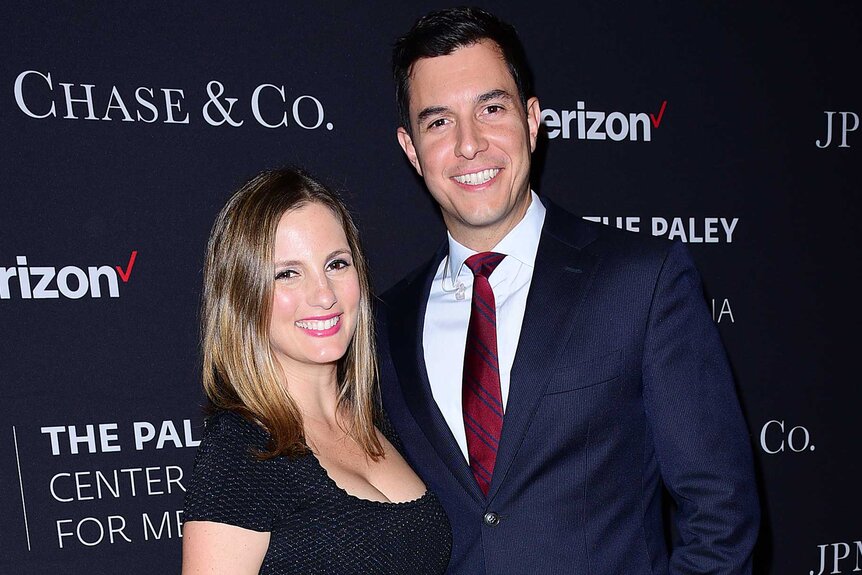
491, 519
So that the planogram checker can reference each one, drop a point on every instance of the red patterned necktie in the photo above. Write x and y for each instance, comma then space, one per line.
480, 392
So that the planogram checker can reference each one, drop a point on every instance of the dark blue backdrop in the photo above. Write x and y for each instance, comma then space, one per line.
114, 197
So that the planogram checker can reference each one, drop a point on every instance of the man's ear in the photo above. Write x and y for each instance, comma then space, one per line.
534, 118
407, 145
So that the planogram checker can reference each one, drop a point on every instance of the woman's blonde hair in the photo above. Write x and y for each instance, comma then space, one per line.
240, 372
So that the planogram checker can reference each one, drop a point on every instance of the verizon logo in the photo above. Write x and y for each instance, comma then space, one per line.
46, 282
586, 124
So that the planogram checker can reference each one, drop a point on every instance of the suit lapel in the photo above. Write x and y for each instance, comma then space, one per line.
406, 326
561, 279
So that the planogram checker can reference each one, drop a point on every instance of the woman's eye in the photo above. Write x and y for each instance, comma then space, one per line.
339, 264
286, 274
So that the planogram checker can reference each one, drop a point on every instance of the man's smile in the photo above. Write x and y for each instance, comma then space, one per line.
477, 178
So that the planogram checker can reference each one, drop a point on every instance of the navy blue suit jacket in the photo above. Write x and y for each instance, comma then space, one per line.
620, 386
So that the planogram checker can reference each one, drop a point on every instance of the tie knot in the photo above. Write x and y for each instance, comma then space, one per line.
483, 264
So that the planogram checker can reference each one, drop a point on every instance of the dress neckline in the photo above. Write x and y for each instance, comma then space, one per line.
364, 501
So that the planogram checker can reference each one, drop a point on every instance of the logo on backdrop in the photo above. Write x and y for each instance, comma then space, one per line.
838, 558
584, 124
76, 494
688, 230
39, 96
45, 282
776, 437
849, 123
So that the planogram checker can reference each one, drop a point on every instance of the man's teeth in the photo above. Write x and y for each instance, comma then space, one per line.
318, 325
477, 178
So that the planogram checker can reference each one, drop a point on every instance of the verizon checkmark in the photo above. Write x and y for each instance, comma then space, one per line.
124, 275
657, 120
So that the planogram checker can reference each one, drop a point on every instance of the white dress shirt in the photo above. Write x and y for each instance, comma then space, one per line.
445, 331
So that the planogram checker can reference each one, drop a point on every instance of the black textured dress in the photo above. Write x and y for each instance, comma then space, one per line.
316, 527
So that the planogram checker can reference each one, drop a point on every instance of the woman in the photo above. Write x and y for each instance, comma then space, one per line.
292, 475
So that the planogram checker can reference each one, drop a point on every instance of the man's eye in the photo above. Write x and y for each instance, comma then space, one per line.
437, 123
494, 108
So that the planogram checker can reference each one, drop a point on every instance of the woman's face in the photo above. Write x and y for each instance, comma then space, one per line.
315, 300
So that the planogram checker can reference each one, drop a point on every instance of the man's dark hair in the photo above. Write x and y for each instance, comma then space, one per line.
442, 32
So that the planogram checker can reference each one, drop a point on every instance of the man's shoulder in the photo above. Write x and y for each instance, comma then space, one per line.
412, 281
599, 238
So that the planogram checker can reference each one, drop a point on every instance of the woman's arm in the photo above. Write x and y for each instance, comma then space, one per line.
217, 548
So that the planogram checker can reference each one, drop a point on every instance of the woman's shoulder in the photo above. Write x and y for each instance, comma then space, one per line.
226, 422
231, 483
229, 433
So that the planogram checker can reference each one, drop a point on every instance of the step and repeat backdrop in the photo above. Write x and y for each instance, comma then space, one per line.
124, 128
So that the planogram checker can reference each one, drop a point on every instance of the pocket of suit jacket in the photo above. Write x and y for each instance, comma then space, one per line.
587, 373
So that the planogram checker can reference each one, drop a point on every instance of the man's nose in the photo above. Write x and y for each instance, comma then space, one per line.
470, 140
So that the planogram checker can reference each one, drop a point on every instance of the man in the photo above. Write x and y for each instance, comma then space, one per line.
550, 399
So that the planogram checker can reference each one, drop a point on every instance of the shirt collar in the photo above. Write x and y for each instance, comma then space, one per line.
521, 243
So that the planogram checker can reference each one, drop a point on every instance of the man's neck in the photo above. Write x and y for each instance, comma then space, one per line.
483, 239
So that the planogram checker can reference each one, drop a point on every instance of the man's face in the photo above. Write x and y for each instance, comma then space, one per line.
472, 141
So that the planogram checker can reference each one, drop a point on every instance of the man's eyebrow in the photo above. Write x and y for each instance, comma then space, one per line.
493, 95
498, 94
430, 111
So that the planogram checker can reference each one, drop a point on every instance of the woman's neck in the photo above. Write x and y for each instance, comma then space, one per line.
314, 388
